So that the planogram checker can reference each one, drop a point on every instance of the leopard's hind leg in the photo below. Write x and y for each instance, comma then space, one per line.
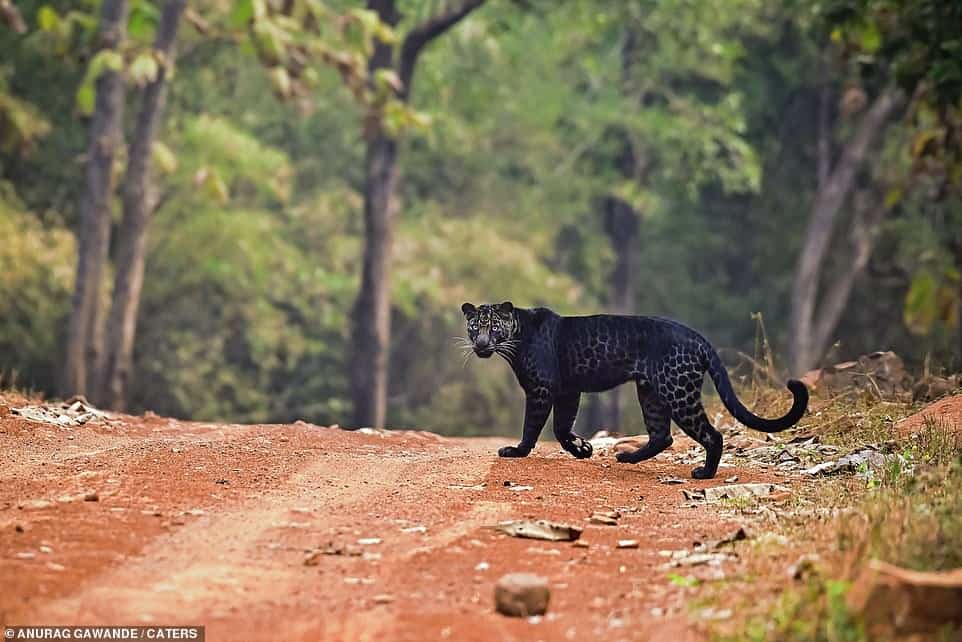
691, 418
658, 423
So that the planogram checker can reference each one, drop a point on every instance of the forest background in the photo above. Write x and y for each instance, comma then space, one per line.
270, 210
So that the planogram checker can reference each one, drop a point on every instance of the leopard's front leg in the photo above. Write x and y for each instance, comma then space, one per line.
537, 406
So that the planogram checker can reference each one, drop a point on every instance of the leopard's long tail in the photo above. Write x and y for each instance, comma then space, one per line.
723, 384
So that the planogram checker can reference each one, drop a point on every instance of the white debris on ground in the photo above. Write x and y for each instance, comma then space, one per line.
73, 412
804, 454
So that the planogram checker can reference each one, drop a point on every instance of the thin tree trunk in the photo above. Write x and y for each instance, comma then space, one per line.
621, 226
835, 186
372, 311
132, 243
868, 217
371, 319
85, 329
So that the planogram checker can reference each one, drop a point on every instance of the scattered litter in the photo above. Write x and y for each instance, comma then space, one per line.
733, 491
731, 480
520, 488
671, 481
540, 529
415, 529
863, 461
369, 541
581, 544
383, 598
627, 543
482, 566
73, 412
700, 559
25, 556
480, 486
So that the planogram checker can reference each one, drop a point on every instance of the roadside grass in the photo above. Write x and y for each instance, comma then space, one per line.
909, 514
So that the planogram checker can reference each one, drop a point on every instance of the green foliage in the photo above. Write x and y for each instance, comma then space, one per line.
522, 119
36, 282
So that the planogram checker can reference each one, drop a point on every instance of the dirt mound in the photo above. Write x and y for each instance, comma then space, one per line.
945, 413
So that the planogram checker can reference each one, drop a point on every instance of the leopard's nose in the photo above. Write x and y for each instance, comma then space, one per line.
482, 342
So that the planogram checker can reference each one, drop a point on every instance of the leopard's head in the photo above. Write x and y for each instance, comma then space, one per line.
491, 328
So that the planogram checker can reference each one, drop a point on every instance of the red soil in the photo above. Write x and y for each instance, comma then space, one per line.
209, 524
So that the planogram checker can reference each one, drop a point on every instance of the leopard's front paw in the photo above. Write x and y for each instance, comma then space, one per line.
579, 447
513, 451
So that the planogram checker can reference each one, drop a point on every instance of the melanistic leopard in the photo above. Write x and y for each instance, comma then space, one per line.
557, 358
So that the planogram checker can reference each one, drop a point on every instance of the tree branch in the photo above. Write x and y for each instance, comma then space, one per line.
11, 16
829, 199
866, 223
423, 34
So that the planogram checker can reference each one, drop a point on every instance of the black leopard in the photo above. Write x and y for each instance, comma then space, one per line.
557, 358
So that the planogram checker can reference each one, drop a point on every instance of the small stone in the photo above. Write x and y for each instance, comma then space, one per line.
383, 598
521, 595
36, 504
731, 480
369, 541
53, 566
20, 527
581, 544
604, 520
92, 497
482, 566
25, 556
627, 543
313, 558
46, 549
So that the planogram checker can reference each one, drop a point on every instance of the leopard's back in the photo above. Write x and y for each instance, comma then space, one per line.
599, 352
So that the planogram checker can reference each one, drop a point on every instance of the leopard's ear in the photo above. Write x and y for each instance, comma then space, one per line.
507, 306
468, 308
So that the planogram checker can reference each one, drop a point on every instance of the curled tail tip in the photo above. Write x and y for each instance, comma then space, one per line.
797, 387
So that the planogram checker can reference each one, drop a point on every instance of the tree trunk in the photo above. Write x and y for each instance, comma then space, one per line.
85, 329
138, 207
834, 187
621, 226
372, 311
371, 319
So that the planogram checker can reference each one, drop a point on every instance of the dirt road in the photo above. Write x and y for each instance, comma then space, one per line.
145, 520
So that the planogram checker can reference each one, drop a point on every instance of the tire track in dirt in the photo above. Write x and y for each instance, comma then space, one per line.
235, 562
